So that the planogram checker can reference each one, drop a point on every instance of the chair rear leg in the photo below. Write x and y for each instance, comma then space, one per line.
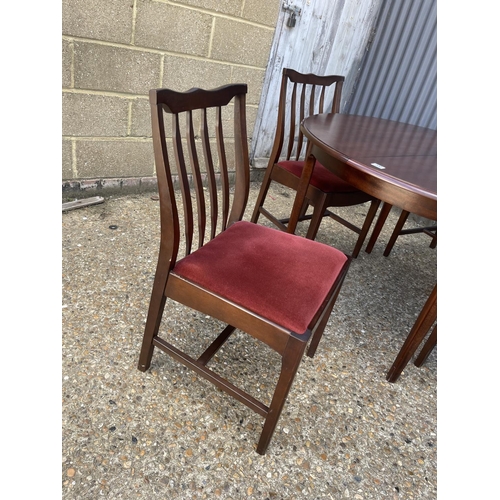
262, 195
155, 313
290, 363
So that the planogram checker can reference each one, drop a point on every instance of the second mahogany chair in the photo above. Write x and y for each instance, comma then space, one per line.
277, 287
307, 97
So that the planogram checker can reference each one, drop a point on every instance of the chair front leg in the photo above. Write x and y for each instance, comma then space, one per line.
290, 363
262, 195
303, 212
300, 195
317, 216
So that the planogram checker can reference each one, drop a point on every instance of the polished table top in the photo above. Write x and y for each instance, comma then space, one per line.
394, 162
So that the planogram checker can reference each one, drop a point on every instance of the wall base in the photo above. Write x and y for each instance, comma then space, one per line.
86, 188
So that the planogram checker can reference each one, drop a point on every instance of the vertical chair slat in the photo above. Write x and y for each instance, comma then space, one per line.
212, 184
322, 99
300, 138
223, 167
184, 183
291, 134
281, 125
312, 98
337, 96
198, 183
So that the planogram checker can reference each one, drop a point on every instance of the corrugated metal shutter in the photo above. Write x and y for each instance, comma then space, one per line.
398, 77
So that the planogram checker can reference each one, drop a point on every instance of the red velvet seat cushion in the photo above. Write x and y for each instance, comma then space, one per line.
321, 178
279, 276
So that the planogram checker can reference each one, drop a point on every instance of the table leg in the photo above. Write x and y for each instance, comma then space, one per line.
397, 231
384, 212
425, 320
427, 349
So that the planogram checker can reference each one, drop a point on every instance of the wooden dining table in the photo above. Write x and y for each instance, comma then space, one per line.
395, 163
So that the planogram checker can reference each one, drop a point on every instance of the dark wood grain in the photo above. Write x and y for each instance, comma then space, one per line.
348, 145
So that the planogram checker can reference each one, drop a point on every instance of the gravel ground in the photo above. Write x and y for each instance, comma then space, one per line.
168, 434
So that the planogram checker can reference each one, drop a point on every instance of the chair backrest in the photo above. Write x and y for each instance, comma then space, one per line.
198, 142
307, 97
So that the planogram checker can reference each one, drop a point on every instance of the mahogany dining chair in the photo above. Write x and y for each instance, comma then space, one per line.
275, 286
285, 167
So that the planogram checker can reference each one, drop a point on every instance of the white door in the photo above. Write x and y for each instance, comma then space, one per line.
329, 37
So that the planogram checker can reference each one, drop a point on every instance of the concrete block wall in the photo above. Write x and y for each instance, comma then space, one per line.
115, 51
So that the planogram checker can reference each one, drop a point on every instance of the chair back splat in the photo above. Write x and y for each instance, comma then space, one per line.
275, 286
307, 103
302, 95
202, 172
